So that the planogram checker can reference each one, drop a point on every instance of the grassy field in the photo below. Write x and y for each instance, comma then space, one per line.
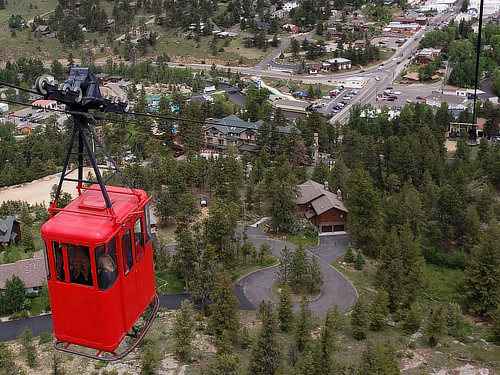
303, 240
169, 283
26, 8
189, 50
13, 254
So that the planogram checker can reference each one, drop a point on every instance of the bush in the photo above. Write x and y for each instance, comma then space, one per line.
457, 326
150, 358
7, 363
45, 337
359, 263
29, 349
412, 319
437, 257
349, 255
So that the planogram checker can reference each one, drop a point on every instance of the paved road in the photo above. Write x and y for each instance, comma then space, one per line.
336, 290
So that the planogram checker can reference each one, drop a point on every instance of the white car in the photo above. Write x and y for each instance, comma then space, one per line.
347, 97
377, 78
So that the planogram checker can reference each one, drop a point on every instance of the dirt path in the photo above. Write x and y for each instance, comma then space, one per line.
38, 191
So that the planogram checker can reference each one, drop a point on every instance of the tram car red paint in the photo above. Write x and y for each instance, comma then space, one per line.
100, 261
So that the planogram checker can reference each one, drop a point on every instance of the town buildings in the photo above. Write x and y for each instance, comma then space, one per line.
231, 131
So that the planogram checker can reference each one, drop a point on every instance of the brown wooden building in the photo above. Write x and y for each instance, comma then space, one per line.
323, 208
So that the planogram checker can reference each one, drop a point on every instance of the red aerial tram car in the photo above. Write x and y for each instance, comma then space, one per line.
101, 276
99, 248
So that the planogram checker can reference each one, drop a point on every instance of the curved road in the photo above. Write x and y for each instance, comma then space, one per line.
336, 289
250, 290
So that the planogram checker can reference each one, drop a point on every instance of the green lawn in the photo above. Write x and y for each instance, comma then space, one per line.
22, 7
245, 269
304, 240
169, 283
13, 254
36, 306
176, 44
443, 284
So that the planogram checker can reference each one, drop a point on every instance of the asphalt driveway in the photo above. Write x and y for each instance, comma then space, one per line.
336, 290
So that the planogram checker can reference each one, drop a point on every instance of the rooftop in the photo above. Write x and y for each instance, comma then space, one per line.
320, 199
232, 124
31, 271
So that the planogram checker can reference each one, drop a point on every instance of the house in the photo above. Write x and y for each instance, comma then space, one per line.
426, 55
42, 30
339, 63
289, 5
230, 131
295, 106
262, 25
412, 77
402, 28
321, 207
10, 231
209, 90
45, 104
31, 271
291, 28
225, 34
4, 108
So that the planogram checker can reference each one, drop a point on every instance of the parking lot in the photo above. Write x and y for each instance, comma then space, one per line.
336, 101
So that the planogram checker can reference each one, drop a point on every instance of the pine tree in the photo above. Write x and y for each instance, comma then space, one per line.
184, 331
379, 310
202, 285
150, 359
365, 212
266, 356
315, 277
280, 183
284, 273
186, 254
264, 253
412, 319
224, 364
27, 238
298, 269
359, 320
482, 273
436, 325
379, 359
285, 313
327, 345
400, 270
455, 321
359, 263
14, 295
349, 255
29, 349
496, 325
224, 309
303, 326
306, 364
